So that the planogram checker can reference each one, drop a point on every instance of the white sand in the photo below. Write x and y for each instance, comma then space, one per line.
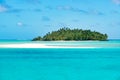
36, 45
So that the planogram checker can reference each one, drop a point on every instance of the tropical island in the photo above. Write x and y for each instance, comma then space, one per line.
68, 34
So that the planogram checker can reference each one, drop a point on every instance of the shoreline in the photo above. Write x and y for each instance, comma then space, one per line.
61, 44
37, 45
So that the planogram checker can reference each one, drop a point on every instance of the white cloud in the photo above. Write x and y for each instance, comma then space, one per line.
116, 2
2, 8
20, 24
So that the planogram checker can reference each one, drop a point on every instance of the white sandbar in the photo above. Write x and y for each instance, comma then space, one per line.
37, 45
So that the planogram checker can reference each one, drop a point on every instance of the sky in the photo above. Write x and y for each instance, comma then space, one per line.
26, 19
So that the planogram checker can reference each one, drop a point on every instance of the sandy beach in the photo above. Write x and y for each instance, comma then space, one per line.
38, 45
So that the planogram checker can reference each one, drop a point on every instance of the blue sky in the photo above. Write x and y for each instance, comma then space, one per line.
26, 19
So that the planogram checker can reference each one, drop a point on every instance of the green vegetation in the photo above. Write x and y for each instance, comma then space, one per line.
68, 34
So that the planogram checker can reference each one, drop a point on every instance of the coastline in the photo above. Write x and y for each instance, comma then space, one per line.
36, 45
60, 44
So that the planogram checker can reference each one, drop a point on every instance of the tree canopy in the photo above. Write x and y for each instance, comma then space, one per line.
68, 34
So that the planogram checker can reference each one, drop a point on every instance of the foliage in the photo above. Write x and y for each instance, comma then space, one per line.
37, 38
72, 34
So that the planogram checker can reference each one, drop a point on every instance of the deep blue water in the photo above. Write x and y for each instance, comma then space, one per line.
60, 64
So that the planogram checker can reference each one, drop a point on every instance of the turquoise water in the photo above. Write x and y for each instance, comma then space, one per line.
61, 64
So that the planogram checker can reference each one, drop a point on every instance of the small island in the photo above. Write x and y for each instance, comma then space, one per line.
67, 34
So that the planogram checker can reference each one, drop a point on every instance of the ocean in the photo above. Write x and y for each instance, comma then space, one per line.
102, 62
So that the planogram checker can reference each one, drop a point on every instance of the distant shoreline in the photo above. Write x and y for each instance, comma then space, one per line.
57, 40
60, 44
30, 45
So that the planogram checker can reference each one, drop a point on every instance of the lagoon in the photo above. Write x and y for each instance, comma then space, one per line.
71, 60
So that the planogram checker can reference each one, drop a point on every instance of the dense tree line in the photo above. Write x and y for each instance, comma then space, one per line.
72, 34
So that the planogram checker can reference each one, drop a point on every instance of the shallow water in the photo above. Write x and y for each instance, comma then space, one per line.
61, 64
76, 44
